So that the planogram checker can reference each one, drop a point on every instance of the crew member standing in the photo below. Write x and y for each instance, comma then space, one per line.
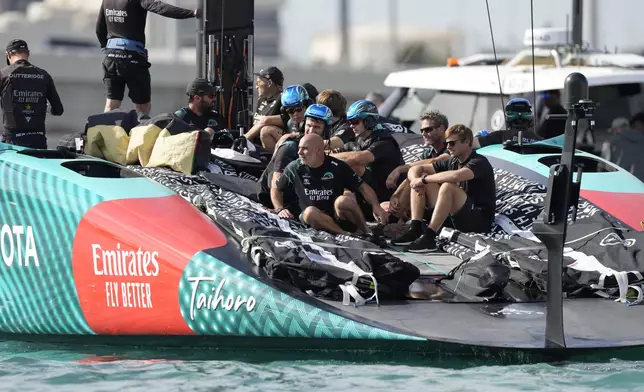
25, 91
120, 29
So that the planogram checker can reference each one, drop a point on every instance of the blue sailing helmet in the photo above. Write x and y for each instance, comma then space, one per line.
294, 95
364, 110
518, 112
321, 112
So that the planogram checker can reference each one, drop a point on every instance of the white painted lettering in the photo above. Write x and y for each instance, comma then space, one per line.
11, 244
213, 301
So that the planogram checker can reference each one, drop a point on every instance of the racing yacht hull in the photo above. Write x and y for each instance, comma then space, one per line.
92, 250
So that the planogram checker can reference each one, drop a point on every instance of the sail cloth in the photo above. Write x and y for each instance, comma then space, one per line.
162, 141
337, 267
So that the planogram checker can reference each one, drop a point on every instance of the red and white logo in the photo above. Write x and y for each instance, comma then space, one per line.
129, 256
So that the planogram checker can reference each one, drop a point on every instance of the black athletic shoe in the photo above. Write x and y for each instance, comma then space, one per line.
424, 244
406, 238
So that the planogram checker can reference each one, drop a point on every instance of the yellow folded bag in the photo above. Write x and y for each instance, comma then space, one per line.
142, 140
175, 151
108, 142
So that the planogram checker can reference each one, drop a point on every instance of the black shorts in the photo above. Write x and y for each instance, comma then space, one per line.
25, 139
469, 219
343, 223
121, 68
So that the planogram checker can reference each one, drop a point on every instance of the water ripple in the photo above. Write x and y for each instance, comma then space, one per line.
56, 368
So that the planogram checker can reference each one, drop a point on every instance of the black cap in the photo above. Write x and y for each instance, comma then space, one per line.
200, 86
15, 45
272, 73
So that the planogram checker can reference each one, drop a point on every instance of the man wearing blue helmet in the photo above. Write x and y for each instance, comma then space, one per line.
317, 120
378, 152
295, 99
518, 113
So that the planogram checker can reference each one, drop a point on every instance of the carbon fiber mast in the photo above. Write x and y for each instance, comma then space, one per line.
225, 57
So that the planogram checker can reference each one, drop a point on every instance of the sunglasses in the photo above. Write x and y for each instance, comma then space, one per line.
428, 129
451, 143
295, 109
354, 122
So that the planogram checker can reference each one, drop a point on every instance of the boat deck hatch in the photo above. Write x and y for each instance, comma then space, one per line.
99, 169
588, 164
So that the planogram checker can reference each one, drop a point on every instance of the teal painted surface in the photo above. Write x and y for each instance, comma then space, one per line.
108, 188
37, 290
209, 307
41, 205
619, 181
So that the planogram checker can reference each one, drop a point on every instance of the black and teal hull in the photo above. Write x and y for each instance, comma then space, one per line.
93, 251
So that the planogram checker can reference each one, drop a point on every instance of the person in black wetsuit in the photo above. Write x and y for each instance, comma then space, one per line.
318, 183
25, 91
120, 29
461, 187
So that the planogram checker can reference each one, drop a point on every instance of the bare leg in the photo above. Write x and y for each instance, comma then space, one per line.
450, 200
144, 108
321, 221
400, 201
347, 208
425, 198
269, 136
112, 104
336, 143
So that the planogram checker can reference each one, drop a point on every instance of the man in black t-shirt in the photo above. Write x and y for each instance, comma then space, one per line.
199, 111
318, 183
378, 152
268, 84
315, 120
461, 187
433, 125
340, 129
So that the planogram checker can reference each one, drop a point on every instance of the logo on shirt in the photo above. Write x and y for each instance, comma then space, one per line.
117, 16
328, 176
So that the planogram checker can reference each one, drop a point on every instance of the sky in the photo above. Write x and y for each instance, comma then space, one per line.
619, 20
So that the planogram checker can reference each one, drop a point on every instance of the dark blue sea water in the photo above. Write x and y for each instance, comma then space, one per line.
52, 367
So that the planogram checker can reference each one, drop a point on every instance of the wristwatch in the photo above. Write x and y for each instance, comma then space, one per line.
422, 179
278, 210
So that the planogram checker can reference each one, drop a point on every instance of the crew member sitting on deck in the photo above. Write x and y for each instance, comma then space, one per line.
378, 155
268, 84
318, 182
433, 125
199, 111
518, 113
461, 188
317, 121
340, 129
295, 100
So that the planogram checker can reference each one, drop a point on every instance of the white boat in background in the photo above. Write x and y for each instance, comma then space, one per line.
470, 94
